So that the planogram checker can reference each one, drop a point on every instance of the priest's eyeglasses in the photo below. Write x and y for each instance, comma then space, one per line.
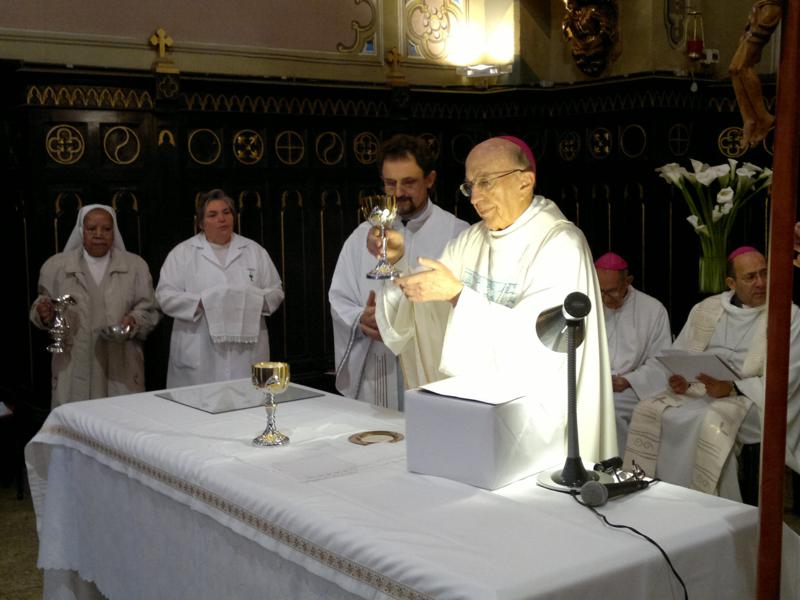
484, 184
405, 184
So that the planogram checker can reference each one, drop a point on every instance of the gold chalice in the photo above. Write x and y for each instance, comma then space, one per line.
271, 378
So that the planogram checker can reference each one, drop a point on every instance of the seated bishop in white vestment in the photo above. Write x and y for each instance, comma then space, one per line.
473, 312
365, 368
637, 327
732, 325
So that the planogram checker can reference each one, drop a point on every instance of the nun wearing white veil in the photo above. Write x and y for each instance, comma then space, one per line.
110, 286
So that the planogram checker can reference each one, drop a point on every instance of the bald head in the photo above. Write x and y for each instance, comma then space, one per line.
502, 182
502, 149
747, 277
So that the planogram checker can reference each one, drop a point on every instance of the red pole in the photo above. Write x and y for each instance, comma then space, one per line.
782, 218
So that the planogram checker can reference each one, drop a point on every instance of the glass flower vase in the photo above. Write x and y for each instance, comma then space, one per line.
711, 273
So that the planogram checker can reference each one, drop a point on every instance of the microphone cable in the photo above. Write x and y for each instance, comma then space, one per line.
574, 495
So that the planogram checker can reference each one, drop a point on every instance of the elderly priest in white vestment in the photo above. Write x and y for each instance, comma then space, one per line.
732, 325
637, 326
473, 311
365, 368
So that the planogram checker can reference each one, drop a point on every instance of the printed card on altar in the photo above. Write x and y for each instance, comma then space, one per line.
690, 365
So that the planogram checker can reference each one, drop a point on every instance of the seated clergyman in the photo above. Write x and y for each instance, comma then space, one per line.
473, 311
731, 325
637, 327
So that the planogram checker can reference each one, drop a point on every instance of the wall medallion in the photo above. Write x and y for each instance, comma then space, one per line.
64, 144
365, 147
569, 145
633, 140
460, 147
679, 139
433, 143
729, 142
121, 145
600, 143
290, 147
248, 146
329, 147
204, 146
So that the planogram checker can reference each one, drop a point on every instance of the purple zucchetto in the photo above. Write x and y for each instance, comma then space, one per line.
611, 262
526, 150
741, 250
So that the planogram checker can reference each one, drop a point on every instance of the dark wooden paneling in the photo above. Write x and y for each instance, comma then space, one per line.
296, 157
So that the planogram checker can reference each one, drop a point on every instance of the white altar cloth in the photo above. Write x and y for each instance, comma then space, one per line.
151, 499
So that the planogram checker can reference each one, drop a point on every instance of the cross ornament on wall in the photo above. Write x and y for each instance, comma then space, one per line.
162, 40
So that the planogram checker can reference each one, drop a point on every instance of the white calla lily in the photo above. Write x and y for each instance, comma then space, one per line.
698, 227
725, 195
715, 193
672, 172
697, 166
745, 171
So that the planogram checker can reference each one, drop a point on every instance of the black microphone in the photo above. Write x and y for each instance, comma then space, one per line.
576, 306
594, 493
608, 465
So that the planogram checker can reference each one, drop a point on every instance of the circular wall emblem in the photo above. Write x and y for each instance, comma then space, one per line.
460, 147
600, 143
204, 146
569, 145
365, 147
289, 147
121, 145
729, 142
679, 138
64, 144
329, 148
433, 143
633, 140
248, 146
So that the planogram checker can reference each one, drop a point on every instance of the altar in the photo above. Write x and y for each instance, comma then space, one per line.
144, 497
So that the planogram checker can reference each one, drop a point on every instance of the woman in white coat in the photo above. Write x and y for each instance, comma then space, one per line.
110, 287
218, 286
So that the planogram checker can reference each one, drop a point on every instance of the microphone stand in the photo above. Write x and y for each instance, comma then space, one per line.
573, 475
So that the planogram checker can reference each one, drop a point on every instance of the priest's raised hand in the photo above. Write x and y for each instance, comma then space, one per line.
437, 283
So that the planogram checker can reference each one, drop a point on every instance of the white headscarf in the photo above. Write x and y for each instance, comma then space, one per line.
75, 240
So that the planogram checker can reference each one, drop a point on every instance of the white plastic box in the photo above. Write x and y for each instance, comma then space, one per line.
485, 445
